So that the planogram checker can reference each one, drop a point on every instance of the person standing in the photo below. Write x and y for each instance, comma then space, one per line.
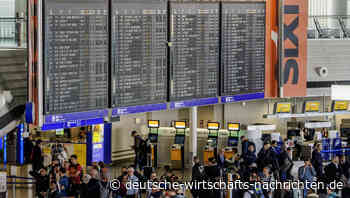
37, 157
75, 173
317, 161
333, 170
138, 148
307, 174
221, 159
28, 148
198, 175
132, 192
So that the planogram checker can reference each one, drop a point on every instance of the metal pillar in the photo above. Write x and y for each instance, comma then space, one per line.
193, 133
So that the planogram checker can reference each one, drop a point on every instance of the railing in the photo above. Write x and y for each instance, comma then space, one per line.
329, 27
13, 32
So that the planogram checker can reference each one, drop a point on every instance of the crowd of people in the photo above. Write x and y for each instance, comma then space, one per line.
67, 178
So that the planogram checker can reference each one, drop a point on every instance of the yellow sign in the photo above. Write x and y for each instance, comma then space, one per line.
97, 133
80, 151
284, 107
213, 125
233, 126
180, 124
312, 106
153, 123
341, 106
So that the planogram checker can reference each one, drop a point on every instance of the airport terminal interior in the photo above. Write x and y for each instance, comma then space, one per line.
174, 98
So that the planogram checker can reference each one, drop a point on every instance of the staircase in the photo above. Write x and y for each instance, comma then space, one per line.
13, 73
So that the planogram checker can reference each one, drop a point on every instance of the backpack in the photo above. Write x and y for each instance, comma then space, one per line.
104, 191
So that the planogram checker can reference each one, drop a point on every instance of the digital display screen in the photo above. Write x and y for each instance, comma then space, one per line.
180, 139
139, 52
234, 126
194, 51
153, 123
233, 141
75, 55
243, 47
153, 138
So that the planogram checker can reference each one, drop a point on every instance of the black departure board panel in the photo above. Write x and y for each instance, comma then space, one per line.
75, 55
243, 48
139, 52
194, 54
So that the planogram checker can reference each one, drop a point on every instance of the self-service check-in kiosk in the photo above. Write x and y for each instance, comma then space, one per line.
233, 138
210, 150
153, 126
177, 154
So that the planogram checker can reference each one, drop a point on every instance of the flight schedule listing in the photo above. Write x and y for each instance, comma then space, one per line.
194, 51
243, 48
139, 52
75, 55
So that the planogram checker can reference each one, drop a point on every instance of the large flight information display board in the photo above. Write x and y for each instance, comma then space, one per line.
194, 52
75, 55
139, 52
243, 48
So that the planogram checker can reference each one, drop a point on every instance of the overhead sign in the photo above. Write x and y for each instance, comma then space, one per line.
312, 106
294, 69
180, 124
340, 92
315, 125
213, 126
340, 106
283, 107
153, 123
233, 126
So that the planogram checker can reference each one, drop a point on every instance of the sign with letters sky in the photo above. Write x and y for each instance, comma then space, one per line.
294, 66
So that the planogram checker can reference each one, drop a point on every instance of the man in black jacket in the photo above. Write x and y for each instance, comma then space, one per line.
286, 163
42, 182
267, 158
198, 175
333, 170
138, 141
317, 161
37, 158
213, 173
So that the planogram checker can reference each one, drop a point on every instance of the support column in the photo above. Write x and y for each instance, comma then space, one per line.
193, 133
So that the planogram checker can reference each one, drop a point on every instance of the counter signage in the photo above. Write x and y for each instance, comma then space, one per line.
213, 126
233, 126
340, 106
97, 142
153, 123
312, 106
283, 107
180, 125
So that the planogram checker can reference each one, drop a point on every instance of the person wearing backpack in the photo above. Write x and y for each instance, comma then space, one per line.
140, 146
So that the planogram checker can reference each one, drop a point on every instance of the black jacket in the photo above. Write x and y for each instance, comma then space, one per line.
316, 159
212, 172
332, 172
198, 172
42, 182
267, 158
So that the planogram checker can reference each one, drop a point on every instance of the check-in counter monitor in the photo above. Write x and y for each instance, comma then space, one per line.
152, 159
177, 154
210, 150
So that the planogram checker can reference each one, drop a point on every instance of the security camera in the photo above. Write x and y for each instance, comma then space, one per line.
322, 71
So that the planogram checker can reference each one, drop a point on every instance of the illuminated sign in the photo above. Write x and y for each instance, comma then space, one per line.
97, 142
180, 125
283, 107
59, 132
153, 123
340, 106
213, 126
233, 126
312, 106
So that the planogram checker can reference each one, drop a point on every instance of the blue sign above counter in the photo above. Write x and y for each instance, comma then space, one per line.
71, 124
76, 116
138, 109
195, 102
242, 97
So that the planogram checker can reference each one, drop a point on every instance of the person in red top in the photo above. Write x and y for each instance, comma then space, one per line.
74, 174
